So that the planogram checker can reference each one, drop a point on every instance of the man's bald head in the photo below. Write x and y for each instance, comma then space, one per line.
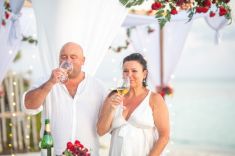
71, 46
73, 52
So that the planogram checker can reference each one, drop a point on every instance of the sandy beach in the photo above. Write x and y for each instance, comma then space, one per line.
176, 150
185, 150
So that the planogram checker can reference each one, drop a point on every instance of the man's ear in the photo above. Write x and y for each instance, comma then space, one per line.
83, 60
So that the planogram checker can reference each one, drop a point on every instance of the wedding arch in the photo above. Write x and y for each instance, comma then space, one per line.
94, 30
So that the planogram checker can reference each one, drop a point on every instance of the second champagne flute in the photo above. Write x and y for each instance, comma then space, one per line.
123, 86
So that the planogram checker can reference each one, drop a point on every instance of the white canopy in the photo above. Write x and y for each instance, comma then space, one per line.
95, 30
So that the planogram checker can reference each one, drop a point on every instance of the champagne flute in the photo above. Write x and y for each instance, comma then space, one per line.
67, 66
123, 86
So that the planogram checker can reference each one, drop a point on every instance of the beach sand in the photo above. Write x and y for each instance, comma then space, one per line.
173, 150
186, 150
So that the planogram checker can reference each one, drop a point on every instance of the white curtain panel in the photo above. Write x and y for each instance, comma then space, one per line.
216, 23
132, 20
10, 37
92, 24
148, 45
175, 34
1, 10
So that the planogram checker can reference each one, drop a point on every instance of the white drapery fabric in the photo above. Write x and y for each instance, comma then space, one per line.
92, 24
55, 28
10, 36
148, 44
216, 23
175, 34
1, 10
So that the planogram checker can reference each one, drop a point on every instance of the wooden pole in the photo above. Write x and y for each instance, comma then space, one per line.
161, 57
1, 126
11, 97
4, 128
18, 94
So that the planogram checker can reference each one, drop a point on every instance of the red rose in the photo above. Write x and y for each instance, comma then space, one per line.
222, 11
199, 9
180, 2
212, 14
69, 145
207, 3
156, 5
76, 149
205, 9
162, 94
226, 1
81, 146
174, 11
77, 143
7, 15
3, 23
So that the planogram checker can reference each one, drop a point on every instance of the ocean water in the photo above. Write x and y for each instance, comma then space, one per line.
202, 113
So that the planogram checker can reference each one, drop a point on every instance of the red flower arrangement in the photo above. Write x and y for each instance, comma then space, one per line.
165, 90
76, 149
7, 12
164, 9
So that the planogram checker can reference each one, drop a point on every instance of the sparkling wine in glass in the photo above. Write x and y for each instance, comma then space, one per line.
123, 86
67, 66
122, 90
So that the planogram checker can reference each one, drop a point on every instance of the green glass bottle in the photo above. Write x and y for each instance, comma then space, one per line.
47, 141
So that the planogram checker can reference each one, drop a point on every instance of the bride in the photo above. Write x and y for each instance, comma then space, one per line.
141, 126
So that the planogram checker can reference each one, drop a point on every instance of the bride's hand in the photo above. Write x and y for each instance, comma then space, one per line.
115, 100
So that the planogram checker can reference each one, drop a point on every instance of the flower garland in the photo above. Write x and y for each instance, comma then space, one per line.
7, 12
165, 90
127, 41
30, 40
121, 48
164, 9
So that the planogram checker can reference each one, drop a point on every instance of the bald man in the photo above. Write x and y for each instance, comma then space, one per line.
72, 107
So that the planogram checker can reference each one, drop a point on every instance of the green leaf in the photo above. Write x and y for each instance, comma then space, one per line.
162, 22
130, 3
168, 15
123, 2
128, 32
161, 11
67, 153
17, 57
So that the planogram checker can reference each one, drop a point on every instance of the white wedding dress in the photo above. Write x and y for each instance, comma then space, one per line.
136, 136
